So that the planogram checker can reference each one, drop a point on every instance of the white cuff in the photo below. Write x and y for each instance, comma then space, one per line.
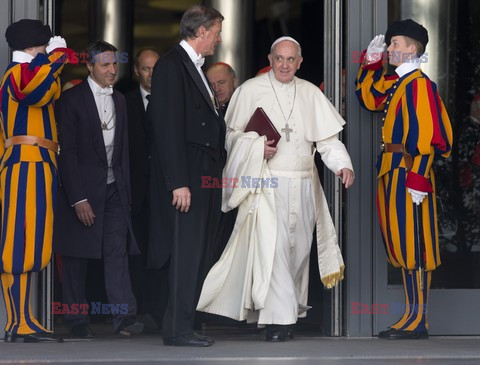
80, 201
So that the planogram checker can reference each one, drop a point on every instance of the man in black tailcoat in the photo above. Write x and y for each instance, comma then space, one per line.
189, 138
93, 206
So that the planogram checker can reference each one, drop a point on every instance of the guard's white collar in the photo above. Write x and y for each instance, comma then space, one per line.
407, 67
21, 57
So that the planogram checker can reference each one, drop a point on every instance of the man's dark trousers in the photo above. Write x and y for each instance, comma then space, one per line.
115, 261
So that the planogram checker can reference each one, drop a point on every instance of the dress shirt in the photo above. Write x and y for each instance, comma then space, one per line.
106, 112
198, 62
144, 93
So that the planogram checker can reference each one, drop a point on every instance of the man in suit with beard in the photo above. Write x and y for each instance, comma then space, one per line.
93, 205
189, 138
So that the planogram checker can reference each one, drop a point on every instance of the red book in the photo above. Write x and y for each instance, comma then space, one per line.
261, 123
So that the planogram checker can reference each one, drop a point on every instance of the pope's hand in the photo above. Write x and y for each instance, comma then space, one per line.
375, 49
269, 152
56, 42
417, 196
347, 176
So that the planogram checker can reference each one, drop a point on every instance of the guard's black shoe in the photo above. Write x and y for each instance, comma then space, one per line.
393, 334
278, 333
82, 331
386, 334
32, 337
193, 340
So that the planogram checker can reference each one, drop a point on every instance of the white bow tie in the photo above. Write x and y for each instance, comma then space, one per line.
200, 61
105, 91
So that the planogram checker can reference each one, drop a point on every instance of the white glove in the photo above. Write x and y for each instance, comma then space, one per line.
417, 196
375, 49
56, 42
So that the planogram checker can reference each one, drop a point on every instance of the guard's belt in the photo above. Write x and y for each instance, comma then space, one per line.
33, 141
398, 147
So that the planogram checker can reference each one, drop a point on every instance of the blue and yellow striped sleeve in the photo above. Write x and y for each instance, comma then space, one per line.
372, 85
429, 130
37, 83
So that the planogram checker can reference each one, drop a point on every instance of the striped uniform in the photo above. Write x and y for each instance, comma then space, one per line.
27, 181
415, 116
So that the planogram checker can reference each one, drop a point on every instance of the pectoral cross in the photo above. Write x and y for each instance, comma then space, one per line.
287, 131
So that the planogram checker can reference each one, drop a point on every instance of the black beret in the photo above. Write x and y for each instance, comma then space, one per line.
27, 33
407, 28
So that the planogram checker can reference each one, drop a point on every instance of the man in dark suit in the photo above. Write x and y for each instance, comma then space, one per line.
145, 283
93, 219
189, 138
224, 81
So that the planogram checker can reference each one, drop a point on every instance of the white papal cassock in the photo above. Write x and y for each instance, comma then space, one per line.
262, 274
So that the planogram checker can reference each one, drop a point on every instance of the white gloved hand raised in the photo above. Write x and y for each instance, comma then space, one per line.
56, 42
375, 49
417, 196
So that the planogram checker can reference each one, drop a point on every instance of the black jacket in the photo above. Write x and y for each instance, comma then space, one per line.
139, 143
189, 140
83, 168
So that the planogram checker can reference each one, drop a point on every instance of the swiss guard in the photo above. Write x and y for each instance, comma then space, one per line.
416, 130
28, 176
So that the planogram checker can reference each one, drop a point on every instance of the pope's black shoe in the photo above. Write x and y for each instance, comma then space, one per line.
278, 333
193, 340
393, 334
31, 337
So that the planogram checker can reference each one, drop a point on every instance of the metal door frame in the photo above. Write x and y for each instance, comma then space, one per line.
333, 54
363, 19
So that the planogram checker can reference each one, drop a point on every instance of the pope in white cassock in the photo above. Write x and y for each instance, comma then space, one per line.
262, 275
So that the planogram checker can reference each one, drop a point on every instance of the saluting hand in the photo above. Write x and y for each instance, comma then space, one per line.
375, 49
56, 42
